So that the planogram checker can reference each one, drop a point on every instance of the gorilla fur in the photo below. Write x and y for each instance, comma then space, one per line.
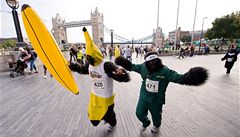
154, 65
125, 63
109, 67
195, 76
82, 69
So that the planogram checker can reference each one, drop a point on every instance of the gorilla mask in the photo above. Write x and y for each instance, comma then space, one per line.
152, 62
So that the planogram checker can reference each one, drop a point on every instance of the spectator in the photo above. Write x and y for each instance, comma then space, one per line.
32, 58
73, 53
110, 52
128, 53
136, 50
117, 51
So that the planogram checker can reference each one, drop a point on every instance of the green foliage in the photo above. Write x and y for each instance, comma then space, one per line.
8, 44
226, 27
186, 39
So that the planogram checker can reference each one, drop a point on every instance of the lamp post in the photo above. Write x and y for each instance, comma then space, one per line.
158, 13
175, 40
194, 21
201, 34
111, 31
13, 4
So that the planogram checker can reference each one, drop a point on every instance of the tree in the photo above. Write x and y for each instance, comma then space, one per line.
8, 44
225, 27
186, 39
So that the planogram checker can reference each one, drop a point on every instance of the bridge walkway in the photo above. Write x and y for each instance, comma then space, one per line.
31, 106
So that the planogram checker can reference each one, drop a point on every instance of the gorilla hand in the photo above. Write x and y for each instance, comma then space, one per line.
195, 76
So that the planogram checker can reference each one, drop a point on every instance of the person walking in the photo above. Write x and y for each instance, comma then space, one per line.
45, 72
117, 52
110, 52
137, 51
231, 58
128, 53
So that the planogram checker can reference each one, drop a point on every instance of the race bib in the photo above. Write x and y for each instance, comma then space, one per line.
151, 86
98, 84
229, 59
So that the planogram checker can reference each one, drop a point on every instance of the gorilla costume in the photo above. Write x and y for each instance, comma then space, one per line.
156, 78
231, 58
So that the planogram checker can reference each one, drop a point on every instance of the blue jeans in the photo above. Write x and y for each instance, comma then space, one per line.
32, 65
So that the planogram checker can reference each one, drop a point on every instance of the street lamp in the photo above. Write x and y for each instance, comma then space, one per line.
158, 13
13, 4
201, 34
175, 40
111, 31
194, 21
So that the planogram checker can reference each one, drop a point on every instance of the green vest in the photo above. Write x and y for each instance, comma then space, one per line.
80, 55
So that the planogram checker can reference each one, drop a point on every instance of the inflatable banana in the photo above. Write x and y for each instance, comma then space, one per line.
47, 49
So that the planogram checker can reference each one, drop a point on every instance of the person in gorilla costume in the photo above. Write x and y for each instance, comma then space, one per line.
102, 73
231, 58
156, 78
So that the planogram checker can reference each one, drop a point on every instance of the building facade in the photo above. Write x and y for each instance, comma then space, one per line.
180, 34
197, 35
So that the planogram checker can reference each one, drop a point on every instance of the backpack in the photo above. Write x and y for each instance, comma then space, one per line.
35, 54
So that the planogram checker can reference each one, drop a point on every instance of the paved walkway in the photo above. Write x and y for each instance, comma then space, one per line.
31, 106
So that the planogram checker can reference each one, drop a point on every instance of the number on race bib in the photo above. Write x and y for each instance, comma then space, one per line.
151, 86
98, 84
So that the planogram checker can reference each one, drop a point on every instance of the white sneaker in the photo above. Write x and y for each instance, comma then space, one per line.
142, 129
110, 128
45, 77
155, 129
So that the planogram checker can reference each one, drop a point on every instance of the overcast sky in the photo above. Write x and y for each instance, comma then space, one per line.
128, 18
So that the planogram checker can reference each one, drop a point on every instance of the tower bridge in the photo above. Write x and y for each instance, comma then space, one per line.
98, 30
75, 24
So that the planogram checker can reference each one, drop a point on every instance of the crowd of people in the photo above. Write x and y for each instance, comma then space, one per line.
78, 53
28, 56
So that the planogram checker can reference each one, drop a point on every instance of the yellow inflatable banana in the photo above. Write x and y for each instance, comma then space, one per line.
47, 49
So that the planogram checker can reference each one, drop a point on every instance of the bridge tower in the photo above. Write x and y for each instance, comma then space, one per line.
159, 37
59, 32
97, 27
